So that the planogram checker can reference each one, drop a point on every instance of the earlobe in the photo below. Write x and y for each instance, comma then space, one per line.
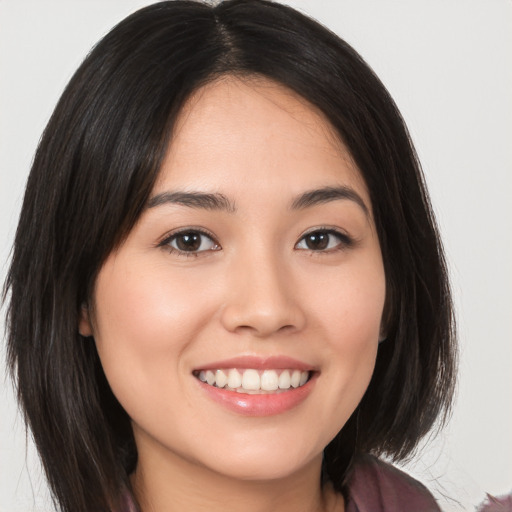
84, 322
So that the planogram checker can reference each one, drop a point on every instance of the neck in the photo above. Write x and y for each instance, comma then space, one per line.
172, 484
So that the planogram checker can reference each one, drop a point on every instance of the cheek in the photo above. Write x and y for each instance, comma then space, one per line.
349, 303
146, 307
347, 308
355, 332
143, 324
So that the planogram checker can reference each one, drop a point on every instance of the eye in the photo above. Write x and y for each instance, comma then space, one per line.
324, 240
190, 242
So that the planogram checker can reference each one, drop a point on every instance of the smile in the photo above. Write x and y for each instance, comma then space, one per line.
253, 381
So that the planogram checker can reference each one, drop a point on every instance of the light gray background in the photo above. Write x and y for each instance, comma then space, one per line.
447, 63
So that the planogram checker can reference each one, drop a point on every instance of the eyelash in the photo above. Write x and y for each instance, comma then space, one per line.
187, 231
345, 241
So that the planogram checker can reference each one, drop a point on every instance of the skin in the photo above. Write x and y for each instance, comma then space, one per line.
257, 288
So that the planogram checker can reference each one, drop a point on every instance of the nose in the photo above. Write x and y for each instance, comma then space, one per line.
262, 299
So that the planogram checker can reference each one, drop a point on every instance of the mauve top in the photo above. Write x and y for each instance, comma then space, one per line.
375, 486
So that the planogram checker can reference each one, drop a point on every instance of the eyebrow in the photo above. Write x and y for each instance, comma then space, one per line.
219, 202
200, 200
326, 195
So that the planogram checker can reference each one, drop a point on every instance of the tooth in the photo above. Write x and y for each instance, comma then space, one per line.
269, 380
284, 380
295, 379
221, 378
210, 377
251, 380
234, 378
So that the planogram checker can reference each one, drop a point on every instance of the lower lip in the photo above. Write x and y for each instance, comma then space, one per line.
259, 405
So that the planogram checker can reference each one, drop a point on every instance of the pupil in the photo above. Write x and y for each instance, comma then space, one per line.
318, 241
188, 242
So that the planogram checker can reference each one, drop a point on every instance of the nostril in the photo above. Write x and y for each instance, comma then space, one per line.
262, 322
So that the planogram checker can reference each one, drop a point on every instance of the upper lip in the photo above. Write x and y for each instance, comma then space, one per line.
259, 363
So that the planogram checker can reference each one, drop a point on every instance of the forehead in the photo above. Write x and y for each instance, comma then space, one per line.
252, 133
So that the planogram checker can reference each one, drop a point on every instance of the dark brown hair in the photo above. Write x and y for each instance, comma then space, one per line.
93, 172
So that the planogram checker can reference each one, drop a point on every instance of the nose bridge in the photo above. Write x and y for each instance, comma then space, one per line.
260, 296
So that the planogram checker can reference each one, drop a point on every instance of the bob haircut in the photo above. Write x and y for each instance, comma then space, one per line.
93, 171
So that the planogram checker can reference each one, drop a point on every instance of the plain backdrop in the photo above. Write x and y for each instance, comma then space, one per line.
448, 64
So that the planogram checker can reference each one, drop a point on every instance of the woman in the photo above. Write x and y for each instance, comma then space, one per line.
227, 280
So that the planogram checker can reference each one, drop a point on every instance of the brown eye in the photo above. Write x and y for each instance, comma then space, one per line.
192, 241
188, 241
323, 240
318, 241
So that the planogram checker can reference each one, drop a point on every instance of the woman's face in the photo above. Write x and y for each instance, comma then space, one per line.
256, 265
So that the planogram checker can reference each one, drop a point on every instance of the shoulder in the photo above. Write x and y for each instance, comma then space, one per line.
375, 486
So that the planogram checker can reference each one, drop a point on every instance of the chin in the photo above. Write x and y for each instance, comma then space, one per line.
264, 461
262, 470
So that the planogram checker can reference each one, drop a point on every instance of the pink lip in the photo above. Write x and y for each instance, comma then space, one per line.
259, 363
259, 405
264, 404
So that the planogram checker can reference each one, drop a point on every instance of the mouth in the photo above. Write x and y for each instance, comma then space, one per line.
257, 386
254, 381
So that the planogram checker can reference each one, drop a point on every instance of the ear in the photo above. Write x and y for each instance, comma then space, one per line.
84, 321
387, 314
382, 333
